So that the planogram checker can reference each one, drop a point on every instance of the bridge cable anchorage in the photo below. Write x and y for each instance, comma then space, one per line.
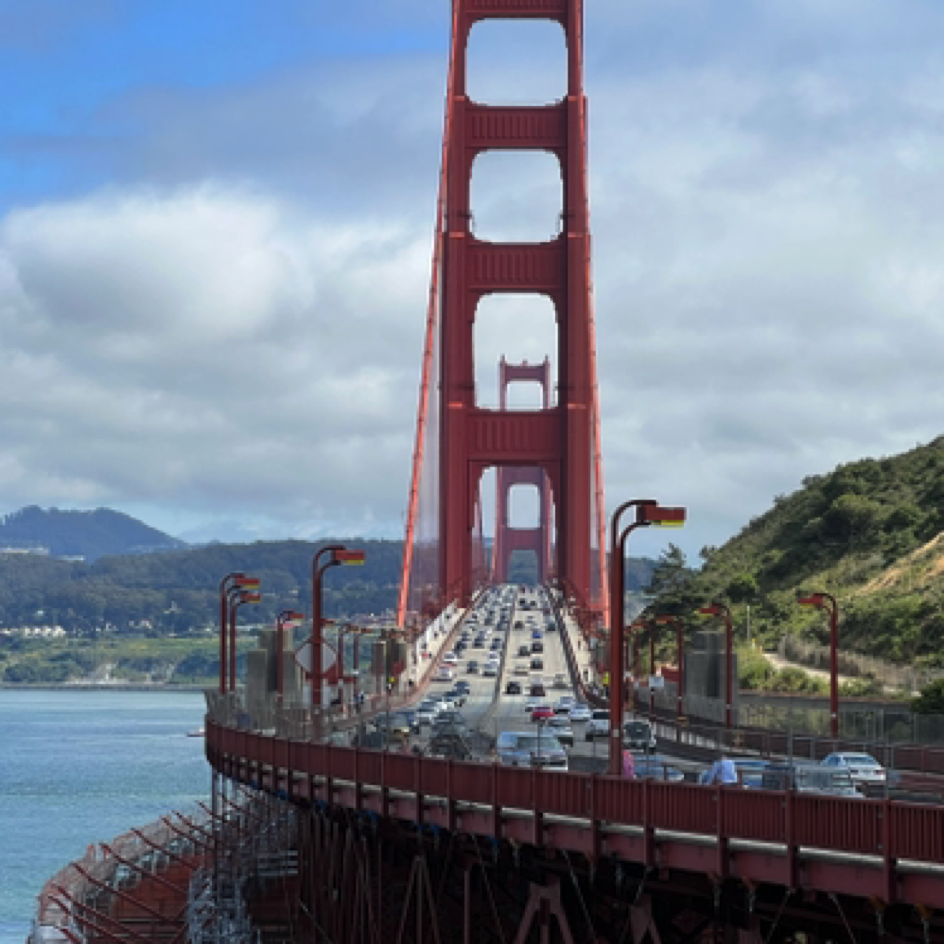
783, 905
580, 898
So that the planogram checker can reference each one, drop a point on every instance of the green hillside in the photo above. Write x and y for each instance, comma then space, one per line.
869, 533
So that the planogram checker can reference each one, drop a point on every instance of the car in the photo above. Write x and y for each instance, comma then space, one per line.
537, 689
580, 712
809, 778
599, 724
531, 749
864, 769
537, 646
564, 704
512, 687
459, 647
519, 624
472, 667
524, 651
496, 643
444, 674
426, 712
450, 658
521, 669
462, 686
562, 730
537, 634
638, 736
537, 663
490, 670
655, 768
550, 626
541, 711
747, 770
478, 642
455, 696
560, 680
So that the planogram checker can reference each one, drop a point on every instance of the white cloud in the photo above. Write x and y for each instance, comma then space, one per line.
232, 330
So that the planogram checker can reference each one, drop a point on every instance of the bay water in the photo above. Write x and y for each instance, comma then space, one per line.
84, 766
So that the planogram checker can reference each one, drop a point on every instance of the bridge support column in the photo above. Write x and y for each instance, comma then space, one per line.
642, 922
543, 902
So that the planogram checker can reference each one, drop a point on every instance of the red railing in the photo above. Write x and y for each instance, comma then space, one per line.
879, 828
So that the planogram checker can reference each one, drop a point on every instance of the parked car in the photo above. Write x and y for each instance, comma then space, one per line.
536, 634
512, 687
638, 736
537, 690
472, 667
560, 680
564, 704
580, 712
538, 712
562, 730
864, 769
524, 651
490, 670
444, 674
599, 724
531, 749
537, 646
655, 768
537, 663
521, 669
450, 658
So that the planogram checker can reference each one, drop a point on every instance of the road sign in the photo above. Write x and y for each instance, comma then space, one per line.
328, 658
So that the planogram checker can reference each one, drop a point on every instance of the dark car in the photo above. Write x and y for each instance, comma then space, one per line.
524, 651
537, 690
537, 663
456, 696
462, 686
638, 736
479, 642
537, 646
459, 646
472, 667
656, 769
513, 688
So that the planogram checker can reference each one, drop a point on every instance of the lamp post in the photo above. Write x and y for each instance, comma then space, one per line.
648, 512
723, 610
636, 627
286, 616
652, 670
679, 644
825, 601
234, 580
238, 597
339, 556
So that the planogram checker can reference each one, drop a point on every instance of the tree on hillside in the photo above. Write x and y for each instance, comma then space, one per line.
670, 579
931, 699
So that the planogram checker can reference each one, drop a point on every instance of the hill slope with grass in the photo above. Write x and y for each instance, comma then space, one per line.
869, 533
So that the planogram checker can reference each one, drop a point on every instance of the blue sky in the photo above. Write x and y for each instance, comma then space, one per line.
215, 239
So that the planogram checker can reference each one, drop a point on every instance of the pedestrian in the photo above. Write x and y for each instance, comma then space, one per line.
629, 765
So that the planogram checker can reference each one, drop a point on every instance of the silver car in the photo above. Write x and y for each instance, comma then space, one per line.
529, 749
580, 712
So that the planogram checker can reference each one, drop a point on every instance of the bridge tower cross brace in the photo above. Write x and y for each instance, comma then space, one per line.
560, 441
509, 539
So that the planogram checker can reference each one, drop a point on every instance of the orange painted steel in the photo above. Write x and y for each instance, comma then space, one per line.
677, 817
564, 445
509, 539
432, 319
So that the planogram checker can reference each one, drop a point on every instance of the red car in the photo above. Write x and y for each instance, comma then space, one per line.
542, 711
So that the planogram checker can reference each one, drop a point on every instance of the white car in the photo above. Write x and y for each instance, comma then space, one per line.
490, 670
444, 674
598, 725
579, 712
450, 658
863, 768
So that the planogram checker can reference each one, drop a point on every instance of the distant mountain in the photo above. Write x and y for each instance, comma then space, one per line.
86, 534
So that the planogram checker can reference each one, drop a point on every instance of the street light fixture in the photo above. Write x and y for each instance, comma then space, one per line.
232, 581
238, 597
285, 617
679, 644
340, 555
825, 601
636, 627
648, 512
723, 610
